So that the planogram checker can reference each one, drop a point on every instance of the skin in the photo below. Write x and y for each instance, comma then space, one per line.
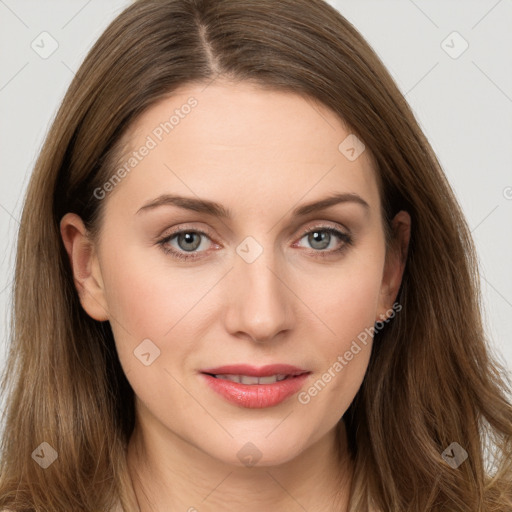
260, 153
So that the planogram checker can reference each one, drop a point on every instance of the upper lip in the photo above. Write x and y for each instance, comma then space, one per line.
262, 371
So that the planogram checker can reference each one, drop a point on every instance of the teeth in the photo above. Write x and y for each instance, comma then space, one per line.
250, 380
246, 379
269, 380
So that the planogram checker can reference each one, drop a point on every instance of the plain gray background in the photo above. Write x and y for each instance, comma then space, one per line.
462, 98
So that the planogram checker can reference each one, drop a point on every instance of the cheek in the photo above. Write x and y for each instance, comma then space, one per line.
146, 308
347, 305
159, 303
349, 296
344, 355
148, 298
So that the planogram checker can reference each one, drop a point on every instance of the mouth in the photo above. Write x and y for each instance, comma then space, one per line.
253, 387
246, 374
251, 380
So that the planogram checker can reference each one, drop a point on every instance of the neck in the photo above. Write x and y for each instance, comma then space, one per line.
170, 474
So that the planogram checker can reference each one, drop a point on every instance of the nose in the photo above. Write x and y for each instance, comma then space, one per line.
260, 300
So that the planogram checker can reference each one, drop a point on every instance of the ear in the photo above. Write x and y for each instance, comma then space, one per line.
85, 266
394, 266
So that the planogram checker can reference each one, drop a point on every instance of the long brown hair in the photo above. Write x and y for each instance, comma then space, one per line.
431, 380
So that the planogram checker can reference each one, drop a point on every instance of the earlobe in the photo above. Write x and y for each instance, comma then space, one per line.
85, 267
394, 267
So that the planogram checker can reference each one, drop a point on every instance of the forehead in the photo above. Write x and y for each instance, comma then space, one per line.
240, 140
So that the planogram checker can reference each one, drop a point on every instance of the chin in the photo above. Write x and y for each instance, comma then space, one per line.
260, 452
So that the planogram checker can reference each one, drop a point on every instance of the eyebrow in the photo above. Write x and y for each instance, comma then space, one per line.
217, 210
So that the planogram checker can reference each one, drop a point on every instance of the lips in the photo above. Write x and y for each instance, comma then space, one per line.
251, 387
252, 371
250, 380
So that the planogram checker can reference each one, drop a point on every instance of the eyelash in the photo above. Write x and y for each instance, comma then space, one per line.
346, 238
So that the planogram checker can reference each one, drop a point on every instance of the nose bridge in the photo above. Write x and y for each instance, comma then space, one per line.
259, 299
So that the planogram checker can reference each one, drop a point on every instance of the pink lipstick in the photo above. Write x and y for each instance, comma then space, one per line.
251, 387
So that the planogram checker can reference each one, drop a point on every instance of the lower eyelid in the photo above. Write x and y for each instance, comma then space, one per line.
170, 237
345, 239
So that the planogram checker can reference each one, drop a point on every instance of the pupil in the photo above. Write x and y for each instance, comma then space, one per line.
189, 239
317, 236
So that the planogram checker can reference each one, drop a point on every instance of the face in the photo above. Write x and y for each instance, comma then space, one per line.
187, 289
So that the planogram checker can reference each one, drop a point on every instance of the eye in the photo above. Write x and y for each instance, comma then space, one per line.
188, 241
321, 237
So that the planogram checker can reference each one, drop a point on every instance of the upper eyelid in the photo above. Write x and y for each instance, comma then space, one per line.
320, 225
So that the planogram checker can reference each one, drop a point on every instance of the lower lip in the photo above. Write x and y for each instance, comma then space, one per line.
256, 396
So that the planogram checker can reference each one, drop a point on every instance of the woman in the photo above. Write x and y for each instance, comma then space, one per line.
319, 346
